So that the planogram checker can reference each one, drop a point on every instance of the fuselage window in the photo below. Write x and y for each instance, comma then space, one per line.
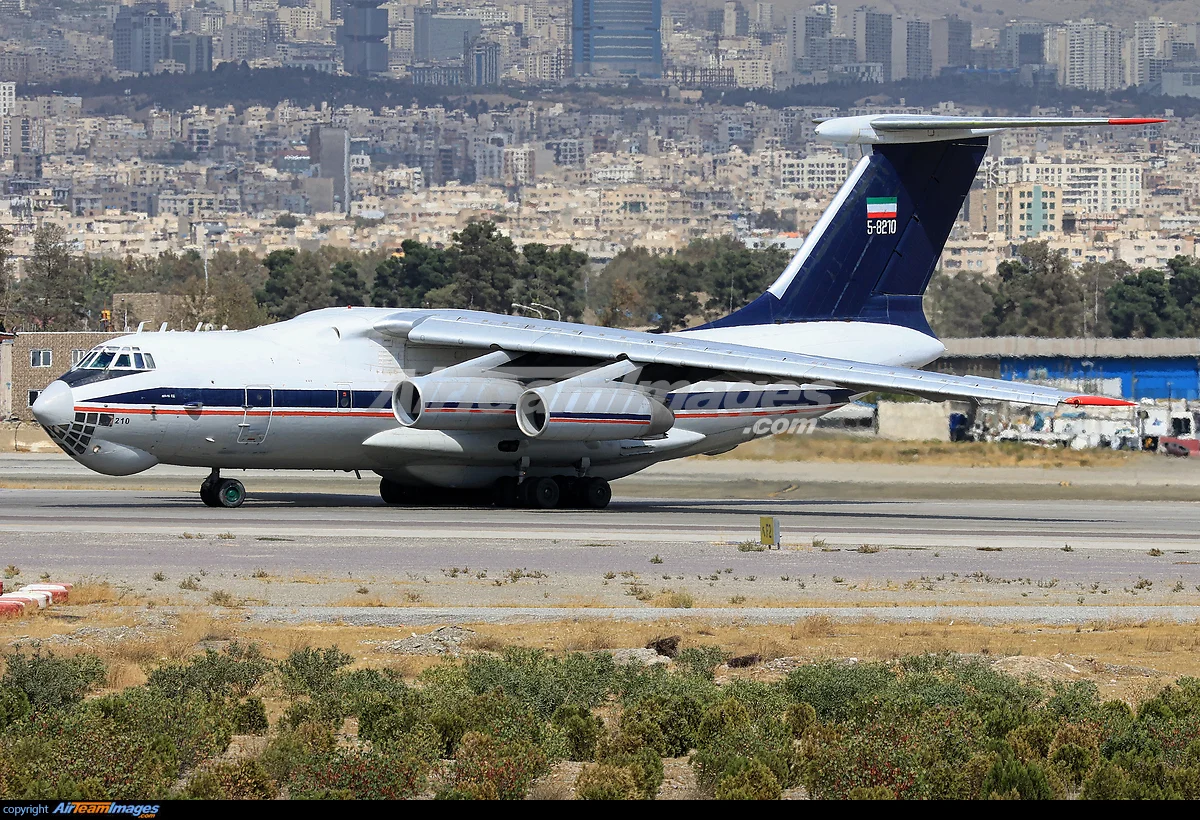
149, 361
122, 362
138, 362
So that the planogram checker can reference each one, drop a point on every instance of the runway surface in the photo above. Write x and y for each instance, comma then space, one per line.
318, 547
1093, 525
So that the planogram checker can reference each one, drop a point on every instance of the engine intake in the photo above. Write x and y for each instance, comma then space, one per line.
430, 403
591, 414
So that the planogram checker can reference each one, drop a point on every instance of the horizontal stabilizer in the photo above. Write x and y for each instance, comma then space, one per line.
876, 129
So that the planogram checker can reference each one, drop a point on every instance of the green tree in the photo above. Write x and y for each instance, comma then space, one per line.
553, 278
287, 221
1097, 278
1037, 295
51, 295
485, 267
407, 278
295, 283
671, 294
1185, 288
959, 305
1141, 305
345, 285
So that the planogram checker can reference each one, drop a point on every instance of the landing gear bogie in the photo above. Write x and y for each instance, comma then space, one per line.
222, 492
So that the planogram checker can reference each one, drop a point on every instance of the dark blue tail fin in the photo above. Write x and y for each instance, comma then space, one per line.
871, 255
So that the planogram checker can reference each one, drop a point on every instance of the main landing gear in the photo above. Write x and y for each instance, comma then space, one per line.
222, 492
541, 493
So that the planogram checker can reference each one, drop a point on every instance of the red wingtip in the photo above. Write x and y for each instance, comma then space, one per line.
1134, 120
1098, 401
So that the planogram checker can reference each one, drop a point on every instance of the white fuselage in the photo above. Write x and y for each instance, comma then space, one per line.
315, 393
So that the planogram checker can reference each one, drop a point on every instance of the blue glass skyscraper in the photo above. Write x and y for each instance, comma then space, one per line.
617, 37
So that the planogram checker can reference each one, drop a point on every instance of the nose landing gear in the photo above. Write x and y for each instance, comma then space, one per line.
222, 492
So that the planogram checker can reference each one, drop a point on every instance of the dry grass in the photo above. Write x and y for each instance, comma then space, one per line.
92, 592
672, 599
961, 454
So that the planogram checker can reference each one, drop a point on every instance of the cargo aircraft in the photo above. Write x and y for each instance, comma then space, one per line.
522, 411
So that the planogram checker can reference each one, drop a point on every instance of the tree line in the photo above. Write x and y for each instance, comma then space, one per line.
1041, 294
480, 269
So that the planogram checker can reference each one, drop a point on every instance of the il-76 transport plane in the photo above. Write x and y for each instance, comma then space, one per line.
543, 413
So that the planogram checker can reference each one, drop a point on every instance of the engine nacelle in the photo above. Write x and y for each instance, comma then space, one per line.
591, 414
430, 403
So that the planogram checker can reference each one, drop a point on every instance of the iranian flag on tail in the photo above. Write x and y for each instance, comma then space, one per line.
881, 207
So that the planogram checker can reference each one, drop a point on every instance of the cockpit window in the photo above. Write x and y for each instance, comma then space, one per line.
113, 358
102, 361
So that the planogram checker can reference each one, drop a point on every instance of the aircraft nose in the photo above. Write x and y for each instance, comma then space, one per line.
55, 406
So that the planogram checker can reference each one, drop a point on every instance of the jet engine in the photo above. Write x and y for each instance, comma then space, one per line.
431, 403
591, 414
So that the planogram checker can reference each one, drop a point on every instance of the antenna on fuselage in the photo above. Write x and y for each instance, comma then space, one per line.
162, 328
140, 326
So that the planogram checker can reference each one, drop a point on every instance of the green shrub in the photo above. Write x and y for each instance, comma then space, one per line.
388, 773
292, 748
581, 730
749, 780
798, 717
50, 682
870, 793
1079, 700
837, 690
232, 673
700, 660
14, 706
644, 763
1012, 776
676, 716
541, 682
312, 670
250, 717
244, 780
606, 782
487, 768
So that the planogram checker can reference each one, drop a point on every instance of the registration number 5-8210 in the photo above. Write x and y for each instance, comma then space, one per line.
880, 227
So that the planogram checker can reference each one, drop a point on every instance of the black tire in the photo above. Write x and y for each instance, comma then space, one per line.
543, 493
231, 493
392, 493
506, 492
208, 494
596, 493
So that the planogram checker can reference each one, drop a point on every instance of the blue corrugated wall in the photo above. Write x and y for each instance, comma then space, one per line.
1141, 378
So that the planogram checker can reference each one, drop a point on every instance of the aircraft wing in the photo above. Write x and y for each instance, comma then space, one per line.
517, 334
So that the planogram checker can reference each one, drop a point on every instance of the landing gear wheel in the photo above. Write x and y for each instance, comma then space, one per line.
596, 493
231, 493
542, 493
391, 492
506, 492
208, 495
208, 490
